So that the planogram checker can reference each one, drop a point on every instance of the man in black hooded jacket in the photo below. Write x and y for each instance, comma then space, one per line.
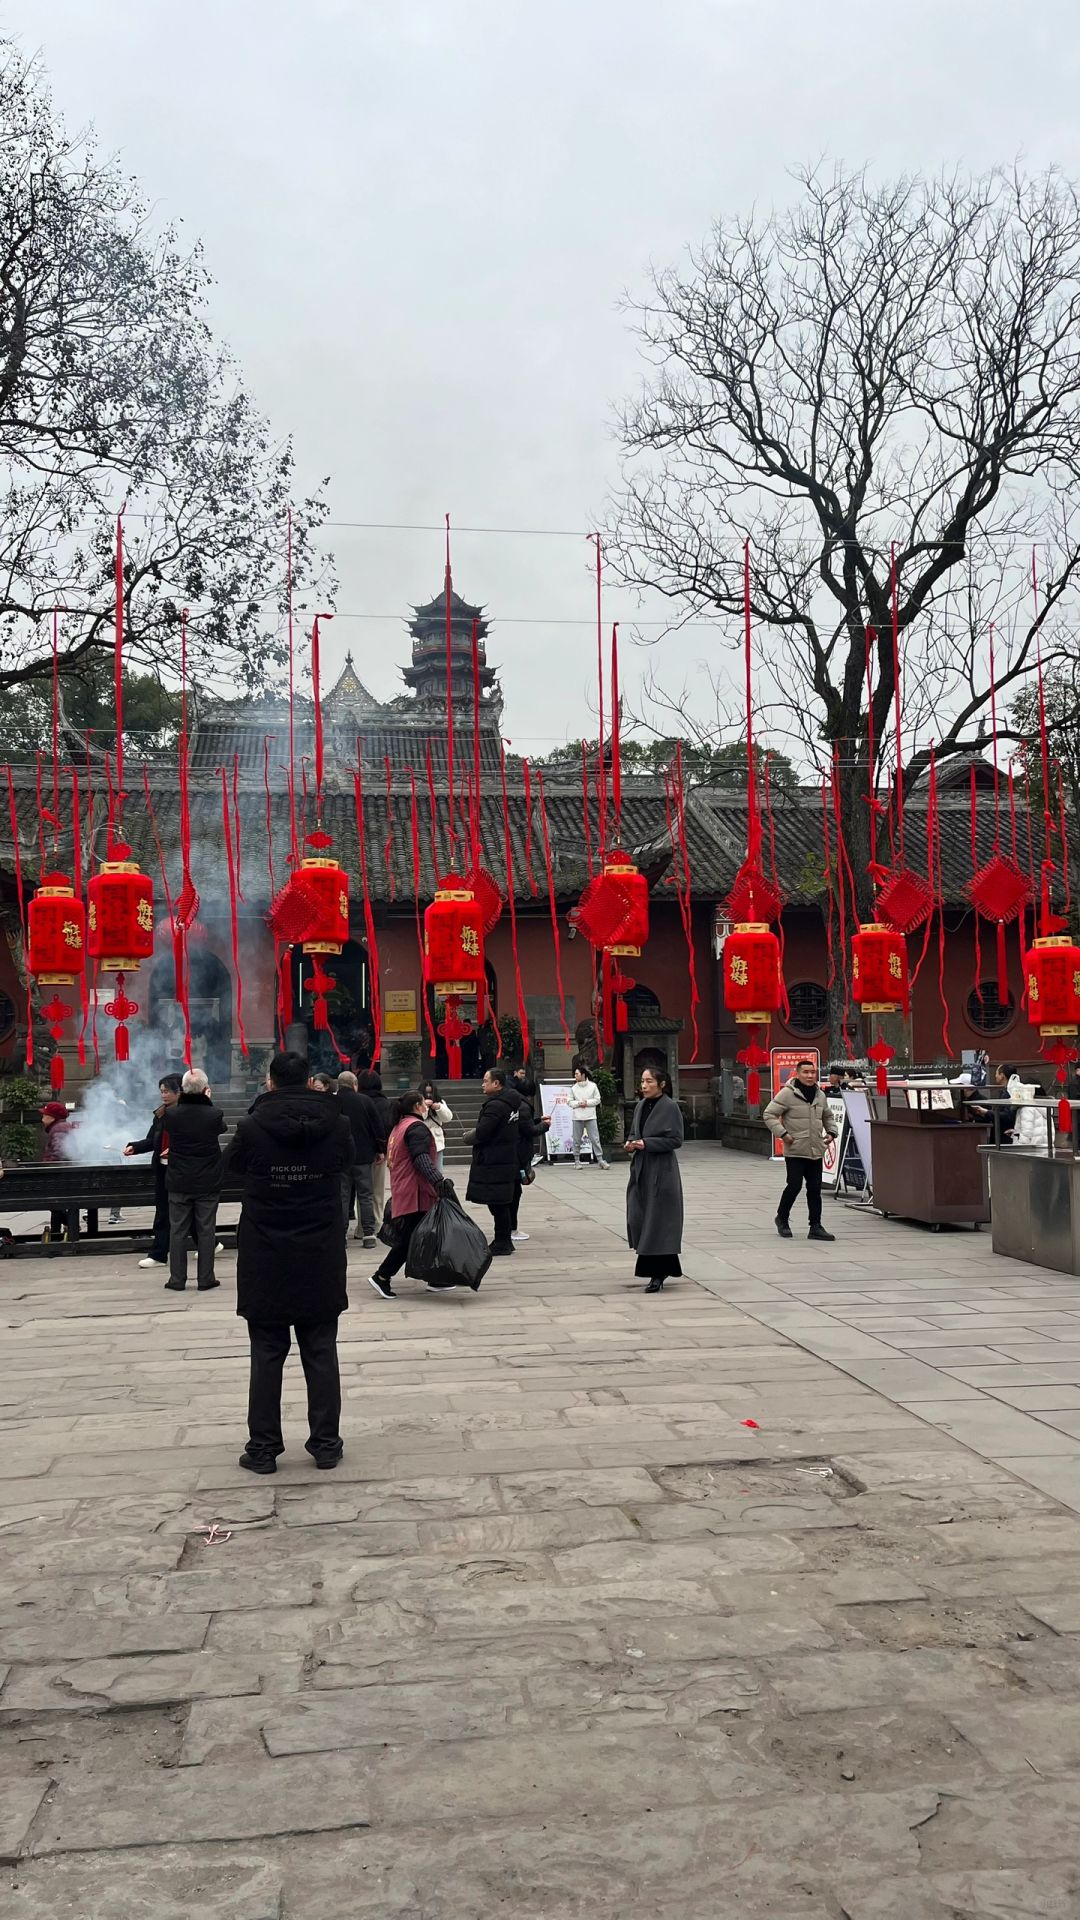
290, 1153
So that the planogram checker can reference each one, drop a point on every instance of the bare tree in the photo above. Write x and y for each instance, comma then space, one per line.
112, 390
876, 368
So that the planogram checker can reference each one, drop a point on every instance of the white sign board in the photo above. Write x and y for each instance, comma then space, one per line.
555, 1101
834, 1149
857, 1102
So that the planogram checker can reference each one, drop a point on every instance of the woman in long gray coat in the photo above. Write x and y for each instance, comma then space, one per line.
654, 1201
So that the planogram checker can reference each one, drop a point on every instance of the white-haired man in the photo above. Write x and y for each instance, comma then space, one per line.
194, 1180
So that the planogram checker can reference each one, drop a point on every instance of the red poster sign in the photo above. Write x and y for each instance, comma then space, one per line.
782, 1064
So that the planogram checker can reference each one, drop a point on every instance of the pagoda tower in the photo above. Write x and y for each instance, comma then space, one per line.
426, 674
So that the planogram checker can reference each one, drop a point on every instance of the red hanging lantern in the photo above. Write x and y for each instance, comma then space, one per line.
327, 886
879, 970
120, 919
454, 943
56, 932
1052, 973
753, 988
613, 912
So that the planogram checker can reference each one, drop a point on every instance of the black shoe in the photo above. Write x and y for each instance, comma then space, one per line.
325, 1461
782, 1228
819, 1233
206, 1285
175, 1286
496, 1248
655, 1286
382, 1286
258, 1463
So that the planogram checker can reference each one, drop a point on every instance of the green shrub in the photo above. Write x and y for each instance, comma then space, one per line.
401, 1064
20, 1094
513, 1051
607, 1086
607, 1123
18, 1141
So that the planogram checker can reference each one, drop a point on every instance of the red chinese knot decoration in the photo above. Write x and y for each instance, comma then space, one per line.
56, 928
121, 1009
613, 912
454, 1030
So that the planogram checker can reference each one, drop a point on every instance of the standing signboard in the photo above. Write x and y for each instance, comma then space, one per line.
835, 1149
782, 1064
555, 1102
858, 1113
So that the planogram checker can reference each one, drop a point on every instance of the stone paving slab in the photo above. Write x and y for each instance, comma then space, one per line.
563, 1636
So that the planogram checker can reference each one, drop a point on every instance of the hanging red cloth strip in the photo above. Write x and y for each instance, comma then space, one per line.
39, 799
533, 888
523, 1016
898, 783
279, 1008
1063, 829
436, 861
294, 841
77, 871
56, 723
236, 827
933, 813
118, 672
616, 735
827, 870
316, 697
842, 864
388, 845
414, 825
585, 808
474, 798
159, 849
785, 1005
552, 910
234, 923
448, 595
974, 811
686, 905
369, 917
601, 763
13, 812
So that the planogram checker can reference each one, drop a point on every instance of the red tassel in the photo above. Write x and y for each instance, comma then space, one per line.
56, 1072
1064, 1115
753, 1087
883, 1079
122, 1046
322, 1017
622, 1017
1002, 965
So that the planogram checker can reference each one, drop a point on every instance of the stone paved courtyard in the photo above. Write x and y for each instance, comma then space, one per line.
564, 1635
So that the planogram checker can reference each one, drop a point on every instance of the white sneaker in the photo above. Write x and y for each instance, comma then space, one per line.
219, 1248
537, 1160
519, 1236
604, 1165
148, 1262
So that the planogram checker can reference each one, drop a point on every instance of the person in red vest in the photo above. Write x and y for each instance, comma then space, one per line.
415, 1183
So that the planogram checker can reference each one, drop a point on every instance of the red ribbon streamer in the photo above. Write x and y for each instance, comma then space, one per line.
533, 888
552, 910
56, 723
76, 844
601, 767
118, 671
369, 917
233, 917
616, 728
450, 699
973, 801
388, 847
294, 840
519, 989
236, 826
828, 874
898, 788
685, 893
414, 825
436, 862
22, 918
585, 808
40, 800
474, 800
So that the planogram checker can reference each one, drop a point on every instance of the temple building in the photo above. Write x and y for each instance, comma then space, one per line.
403, 748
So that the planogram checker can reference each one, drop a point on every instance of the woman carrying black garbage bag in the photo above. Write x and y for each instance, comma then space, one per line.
415, 1184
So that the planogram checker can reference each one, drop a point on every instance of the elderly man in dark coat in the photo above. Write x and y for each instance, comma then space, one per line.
494, 1174
654, 1199
290, 1154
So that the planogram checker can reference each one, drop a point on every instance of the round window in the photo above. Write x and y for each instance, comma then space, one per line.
985, 1012
809, 1005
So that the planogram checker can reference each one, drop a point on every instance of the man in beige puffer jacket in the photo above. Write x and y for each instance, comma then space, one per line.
800, 1119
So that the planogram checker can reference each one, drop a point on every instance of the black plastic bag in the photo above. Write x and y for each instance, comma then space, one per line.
390, 1229
448, 1249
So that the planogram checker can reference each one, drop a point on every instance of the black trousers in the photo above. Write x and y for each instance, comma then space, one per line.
159, 1245
501, 1223
394, 1258
365, 1198
800, 1173
317, 1342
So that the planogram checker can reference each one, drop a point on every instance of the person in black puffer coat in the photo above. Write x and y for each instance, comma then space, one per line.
290, 1154
522, 1091
193, 1179
494, 1175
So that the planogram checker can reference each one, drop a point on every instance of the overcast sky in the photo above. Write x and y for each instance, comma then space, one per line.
421, 216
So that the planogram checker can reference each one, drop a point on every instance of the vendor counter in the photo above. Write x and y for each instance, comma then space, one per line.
927, 1166
1036, 1205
